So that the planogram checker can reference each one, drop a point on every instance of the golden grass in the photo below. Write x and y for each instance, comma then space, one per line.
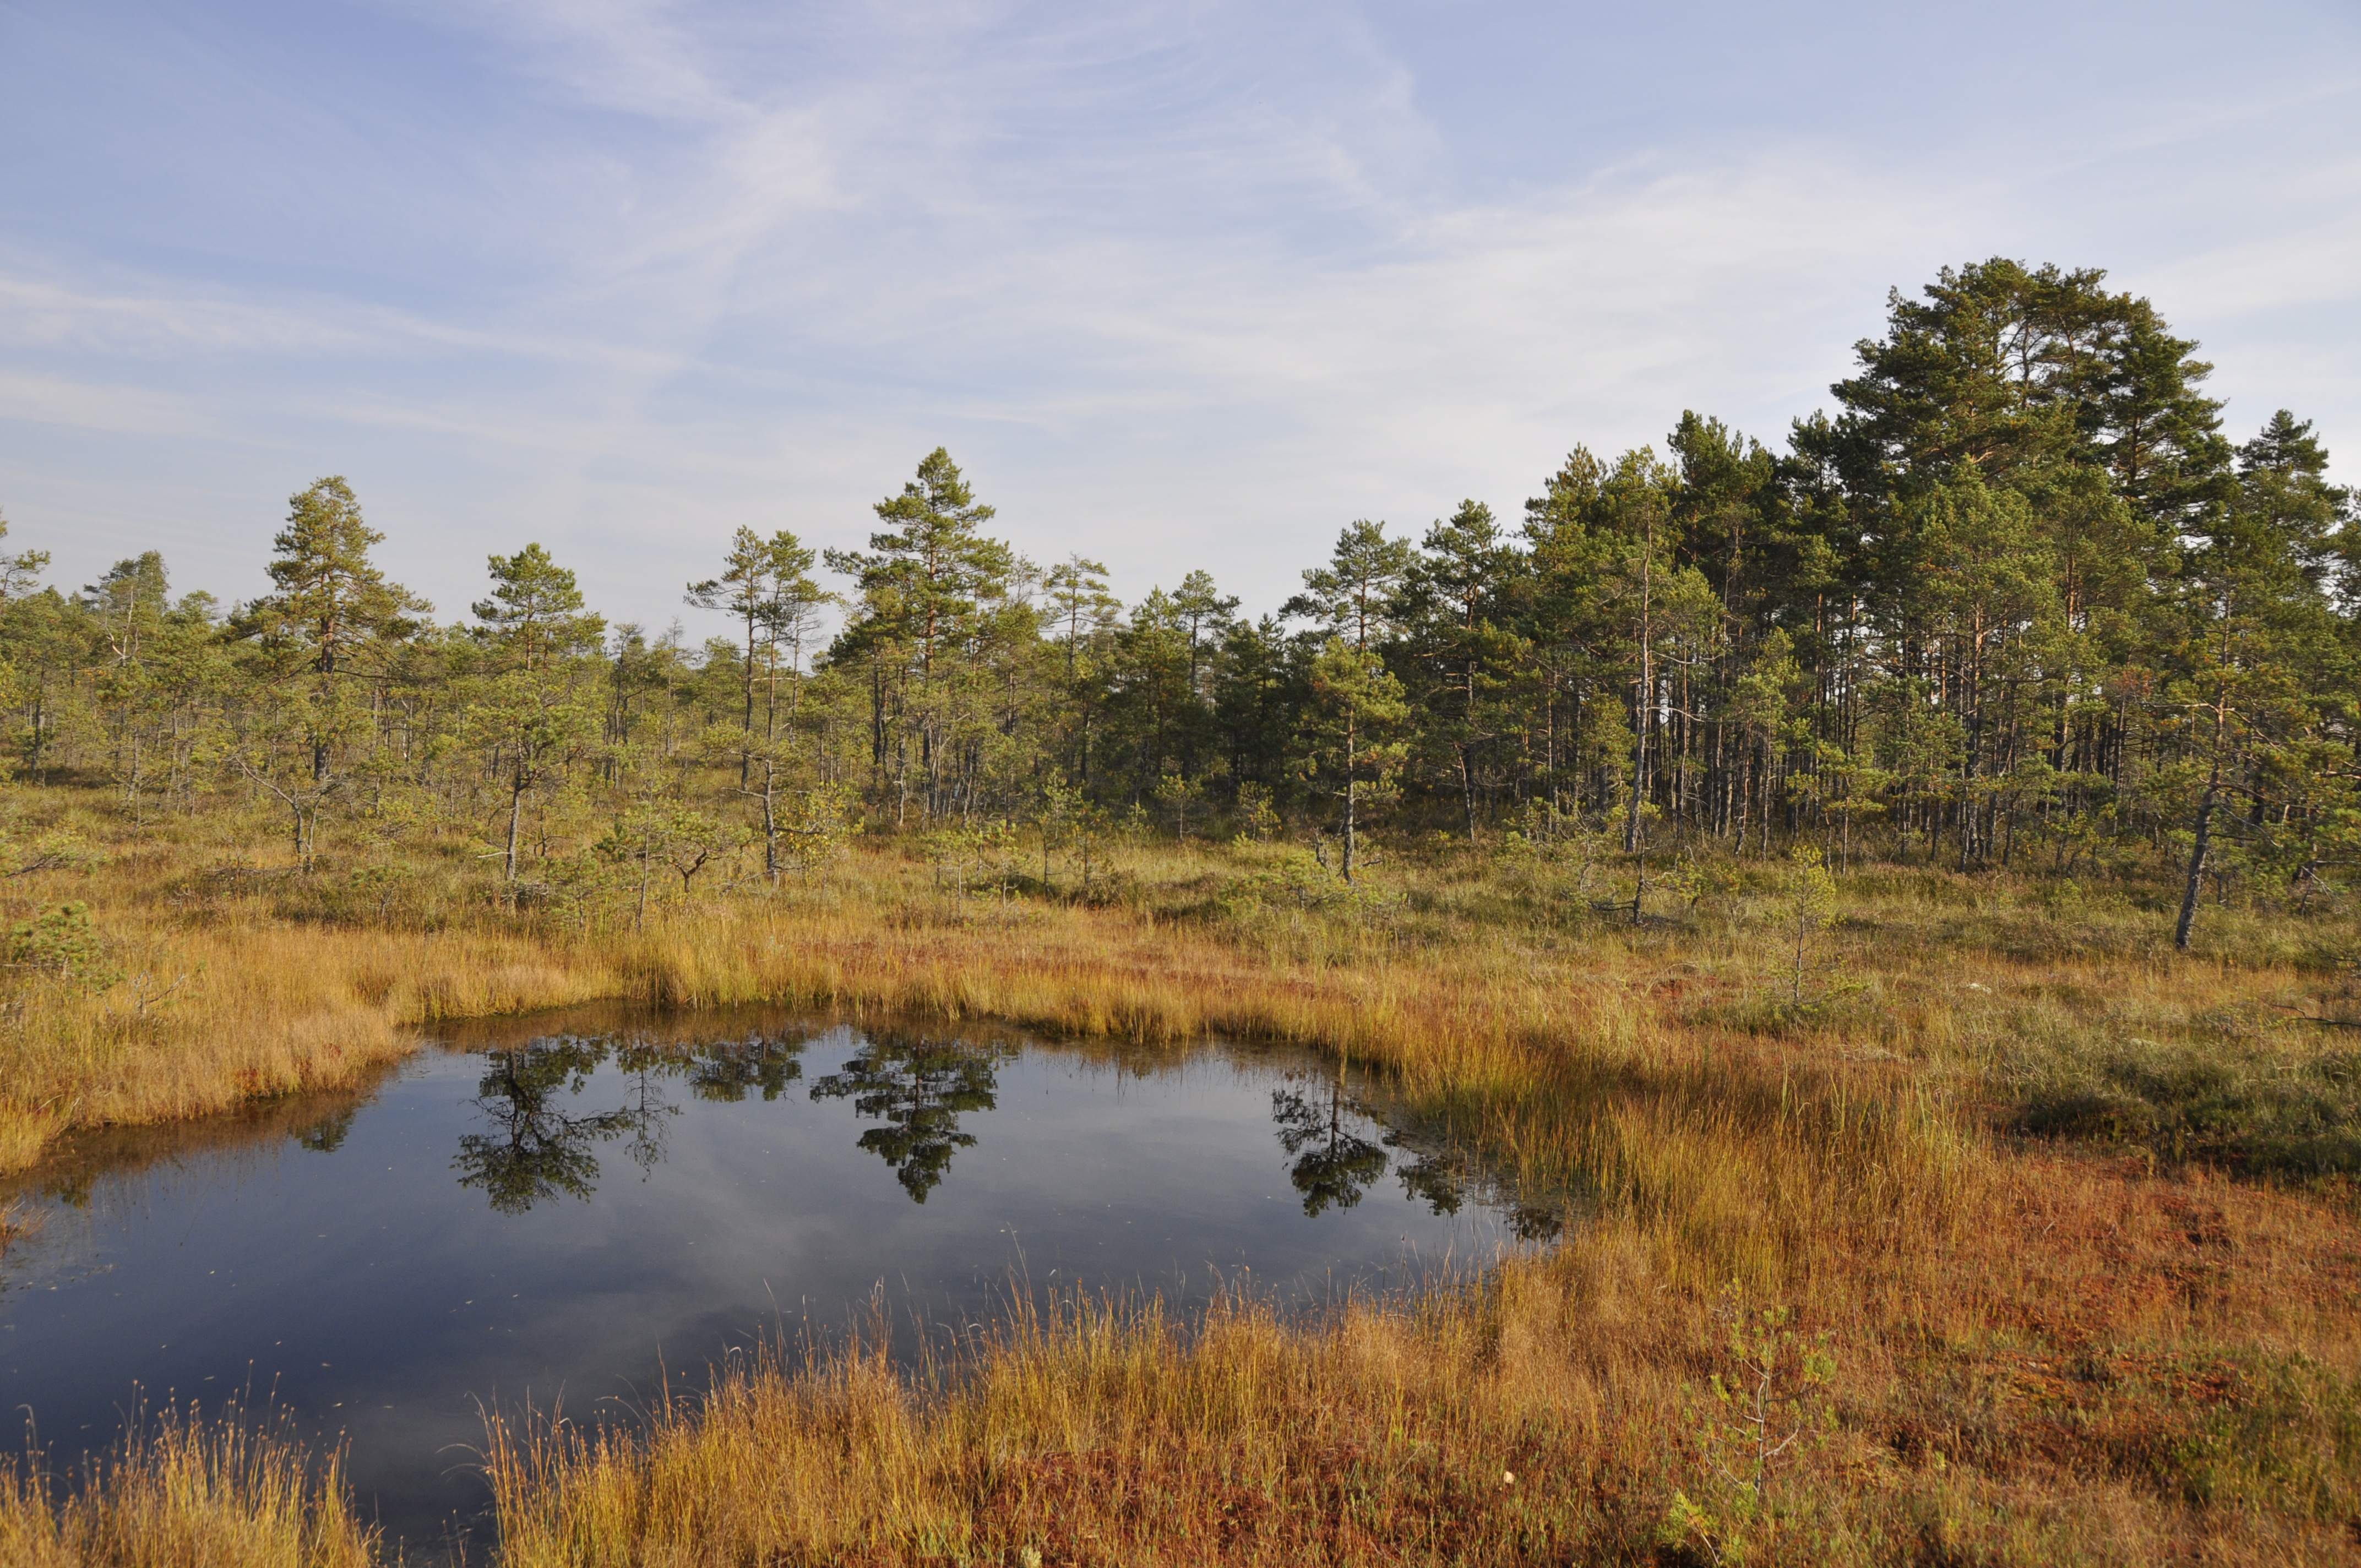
271, 1006
187, 1492
1095, 1436
2042, 1352
1546, 1417
24, 1133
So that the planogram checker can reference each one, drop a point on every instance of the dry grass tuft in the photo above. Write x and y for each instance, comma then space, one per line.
189, 1493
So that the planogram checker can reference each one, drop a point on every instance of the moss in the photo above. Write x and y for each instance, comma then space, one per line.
2226, 1101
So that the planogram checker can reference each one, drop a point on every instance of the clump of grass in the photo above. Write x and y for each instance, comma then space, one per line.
1090, 1433
2259, 1111
24, 1131
190, 1491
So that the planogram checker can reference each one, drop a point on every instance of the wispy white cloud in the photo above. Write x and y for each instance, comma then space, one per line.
34, 314
114, 407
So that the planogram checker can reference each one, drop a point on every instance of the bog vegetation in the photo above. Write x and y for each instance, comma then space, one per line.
2020, 602
1893, 890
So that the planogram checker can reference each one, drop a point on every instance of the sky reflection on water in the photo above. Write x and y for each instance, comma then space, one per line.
564, 1208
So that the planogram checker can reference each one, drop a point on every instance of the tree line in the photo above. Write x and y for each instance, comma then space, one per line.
2015, 600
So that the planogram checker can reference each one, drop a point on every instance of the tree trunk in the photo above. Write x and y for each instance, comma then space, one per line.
516, 815
1639, 766
2197, 852
1467, 792
770, 822
746, 756
1643, 706
1352, 799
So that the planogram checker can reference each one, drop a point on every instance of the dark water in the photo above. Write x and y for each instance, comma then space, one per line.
567, 1209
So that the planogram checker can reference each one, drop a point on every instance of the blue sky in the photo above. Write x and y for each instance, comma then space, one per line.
1179, 285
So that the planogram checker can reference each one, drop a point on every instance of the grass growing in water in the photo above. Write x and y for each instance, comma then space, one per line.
186, 1492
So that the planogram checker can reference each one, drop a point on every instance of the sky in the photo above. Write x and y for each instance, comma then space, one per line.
1178, 285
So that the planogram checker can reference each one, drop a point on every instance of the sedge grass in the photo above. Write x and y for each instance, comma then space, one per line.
189, 1491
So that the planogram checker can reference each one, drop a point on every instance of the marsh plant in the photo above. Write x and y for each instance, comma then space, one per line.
1808, 906
1755, 1419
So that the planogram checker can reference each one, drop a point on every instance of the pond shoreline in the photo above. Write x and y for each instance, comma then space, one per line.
271, 1008
1755, 1171
969, 1201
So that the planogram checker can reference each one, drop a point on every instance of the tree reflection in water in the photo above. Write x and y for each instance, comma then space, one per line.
326, 1135
1434, 1180
539, 1144
919, 1088
1444, 1174
732, 1070
536, 1149
644, 1117
1334, 1166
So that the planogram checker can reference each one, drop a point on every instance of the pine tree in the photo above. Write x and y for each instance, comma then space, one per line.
536, 709
1460, 595
334, 619
1356, 710
1355, 594
2262, 661
928, 584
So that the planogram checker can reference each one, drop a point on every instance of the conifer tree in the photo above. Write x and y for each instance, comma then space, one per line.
1354, 595
928, 583
1460, 595
1354, 754
2262, 667
536, 707
334, 619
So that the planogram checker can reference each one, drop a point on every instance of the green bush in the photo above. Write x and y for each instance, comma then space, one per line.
61, 943
2250, 1111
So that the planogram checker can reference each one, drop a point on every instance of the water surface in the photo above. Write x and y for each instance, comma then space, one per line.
575, 1208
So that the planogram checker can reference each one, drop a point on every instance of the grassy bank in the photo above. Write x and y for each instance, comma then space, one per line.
2037, 1233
